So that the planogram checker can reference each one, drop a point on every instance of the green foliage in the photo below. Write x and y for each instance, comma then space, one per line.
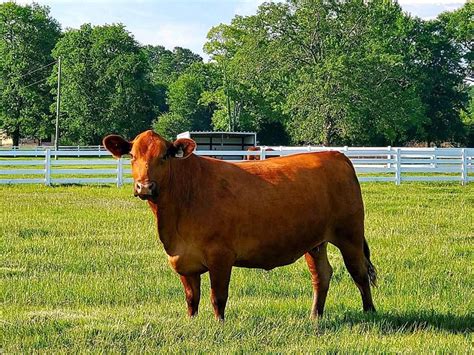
87, 274
170, 124
334, 72
27, 36
467, 117
343, 72
184, 79
184, 94
167, 65
245, 99
105, 84
188, 96
459, 26
441, 75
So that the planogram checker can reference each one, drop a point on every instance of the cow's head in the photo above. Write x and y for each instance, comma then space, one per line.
150, 157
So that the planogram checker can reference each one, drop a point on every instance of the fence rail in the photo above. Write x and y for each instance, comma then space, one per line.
96, 165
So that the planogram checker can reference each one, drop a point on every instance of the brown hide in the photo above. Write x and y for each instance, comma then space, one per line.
267, 214
213, 215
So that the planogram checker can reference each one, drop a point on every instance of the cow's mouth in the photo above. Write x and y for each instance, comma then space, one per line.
144, 197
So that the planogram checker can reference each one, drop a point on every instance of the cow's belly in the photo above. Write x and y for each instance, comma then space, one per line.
263, 262
270, 250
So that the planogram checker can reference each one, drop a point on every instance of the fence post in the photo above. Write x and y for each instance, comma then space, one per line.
47, 167
464, 175
262, 153
398, 170
119, 172
389, 156
434, 164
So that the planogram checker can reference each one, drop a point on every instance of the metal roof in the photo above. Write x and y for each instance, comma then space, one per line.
218, 132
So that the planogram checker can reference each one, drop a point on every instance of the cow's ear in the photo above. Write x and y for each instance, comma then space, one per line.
181, 148
117, 145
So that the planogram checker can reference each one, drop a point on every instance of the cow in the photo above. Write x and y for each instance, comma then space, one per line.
213, 215
257, 149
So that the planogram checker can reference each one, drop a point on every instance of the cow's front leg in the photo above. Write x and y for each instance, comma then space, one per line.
192, 289
219, 272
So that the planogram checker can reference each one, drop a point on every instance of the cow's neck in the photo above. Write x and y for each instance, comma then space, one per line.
175, 199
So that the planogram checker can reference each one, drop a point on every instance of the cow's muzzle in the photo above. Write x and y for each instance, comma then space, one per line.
145, 190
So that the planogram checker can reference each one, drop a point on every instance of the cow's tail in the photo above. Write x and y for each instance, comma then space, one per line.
371, 268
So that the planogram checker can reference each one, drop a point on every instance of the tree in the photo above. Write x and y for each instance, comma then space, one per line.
168, 65
105, 86
27, 36
332, 72
467, 117
170, 124
244, 99
459, 26
441, 74
190, 103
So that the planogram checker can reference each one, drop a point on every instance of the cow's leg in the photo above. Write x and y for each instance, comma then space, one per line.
321, 272
219, 273
192, 289
358, 266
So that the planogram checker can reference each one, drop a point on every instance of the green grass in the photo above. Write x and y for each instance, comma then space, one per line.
82, 269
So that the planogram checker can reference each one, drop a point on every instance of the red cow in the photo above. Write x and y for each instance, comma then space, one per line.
298, 203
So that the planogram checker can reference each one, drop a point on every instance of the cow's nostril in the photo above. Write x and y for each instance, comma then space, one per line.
146, 188
138, 187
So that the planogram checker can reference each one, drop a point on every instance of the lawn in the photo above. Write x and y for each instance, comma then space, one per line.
82, 269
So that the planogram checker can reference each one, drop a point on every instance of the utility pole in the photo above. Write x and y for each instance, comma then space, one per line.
58, 107
226, 91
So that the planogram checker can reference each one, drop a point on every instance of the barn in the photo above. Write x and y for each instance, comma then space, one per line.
222, 141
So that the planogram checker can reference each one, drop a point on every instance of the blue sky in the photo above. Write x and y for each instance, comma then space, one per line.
184, 23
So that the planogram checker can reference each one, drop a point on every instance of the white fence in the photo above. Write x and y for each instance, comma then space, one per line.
40, 149
372, 164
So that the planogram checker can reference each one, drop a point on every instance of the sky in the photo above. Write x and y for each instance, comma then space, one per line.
184, 23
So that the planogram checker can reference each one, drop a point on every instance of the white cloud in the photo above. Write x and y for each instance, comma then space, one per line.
52, 2
249, 7
172, 34
246, 8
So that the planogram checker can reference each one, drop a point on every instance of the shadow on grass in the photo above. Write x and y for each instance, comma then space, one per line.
26, 233
402, 322
82, 185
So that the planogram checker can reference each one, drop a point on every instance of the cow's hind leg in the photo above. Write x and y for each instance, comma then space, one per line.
321, 272
192, 289
357, 260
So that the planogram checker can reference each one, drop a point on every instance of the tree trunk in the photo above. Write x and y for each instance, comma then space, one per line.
16, 137
328, 131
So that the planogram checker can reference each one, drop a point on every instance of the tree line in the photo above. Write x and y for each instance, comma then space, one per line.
333, 72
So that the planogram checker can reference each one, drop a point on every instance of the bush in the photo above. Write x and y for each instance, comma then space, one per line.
170, 124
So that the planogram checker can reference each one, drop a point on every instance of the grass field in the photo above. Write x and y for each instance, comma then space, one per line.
82, 269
